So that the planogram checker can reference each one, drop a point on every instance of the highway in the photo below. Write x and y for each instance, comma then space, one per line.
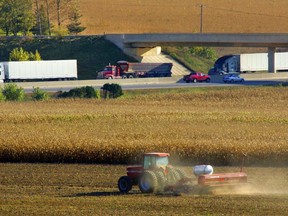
149, 83
211, 84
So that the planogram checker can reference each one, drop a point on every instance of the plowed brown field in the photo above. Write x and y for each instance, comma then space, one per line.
78, 189
131, 16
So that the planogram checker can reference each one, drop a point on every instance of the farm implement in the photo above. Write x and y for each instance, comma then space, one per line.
156, 175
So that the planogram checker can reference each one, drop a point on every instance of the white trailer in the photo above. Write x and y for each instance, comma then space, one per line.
254, 62
38, 70
259, 61
251, 62
281, 61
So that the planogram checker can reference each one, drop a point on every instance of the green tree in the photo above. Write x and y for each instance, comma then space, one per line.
34, 57
205, 52
19, 54
83, 92
39, 94
16, 16
112, 90
62, 8
5, 17
37, 56
2, 96
74, 27
31, 56
48, 16
42, 24
26, 18
13, 93
38, 18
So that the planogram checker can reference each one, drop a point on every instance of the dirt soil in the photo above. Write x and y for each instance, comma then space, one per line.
75, 189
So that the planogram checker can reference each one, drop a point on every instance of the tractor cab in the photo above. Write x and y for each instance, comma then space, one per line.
155, 160
151, 161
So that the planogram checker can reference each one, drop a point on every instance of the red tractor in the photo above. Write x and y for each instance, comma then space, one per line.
157, 175
153, 176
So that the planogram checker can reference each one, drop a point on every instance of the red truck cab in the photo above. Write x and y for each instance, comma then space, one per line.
109, 72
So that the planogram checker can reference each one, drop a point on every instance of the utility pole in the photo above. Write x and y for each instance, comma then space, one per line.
201, 18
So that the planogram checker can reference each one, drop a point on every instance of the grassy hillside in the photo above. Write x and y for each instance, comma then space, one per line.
130, 16
92, 53
188, 59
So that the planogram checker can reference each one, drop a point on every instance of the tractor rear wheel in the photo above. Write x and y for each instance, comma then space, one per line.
148, 182
124, 184
173, 175
162, 181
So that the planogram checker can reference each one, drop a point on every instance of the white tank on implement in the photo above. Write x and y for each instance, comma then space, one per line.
202, 170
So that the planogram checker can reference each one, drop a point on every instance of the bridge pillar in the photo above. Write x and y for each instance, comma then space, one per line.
271, 59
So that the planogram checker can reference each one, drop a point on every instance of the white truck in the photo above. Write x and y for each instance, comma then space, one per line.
13, 71
251, 62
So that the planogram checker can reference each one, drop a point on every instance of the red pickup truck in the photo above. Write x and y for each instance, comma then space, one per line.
196, 77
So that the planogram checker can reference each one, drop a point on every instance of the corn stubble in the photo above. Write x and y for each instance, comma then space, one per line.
214, 126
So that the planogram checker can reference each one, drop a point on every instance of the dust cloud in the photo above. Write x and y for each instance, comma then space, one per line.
261, 181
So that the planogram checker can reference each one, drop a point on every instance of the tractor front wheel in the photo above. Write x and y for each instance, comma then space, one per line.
124, 184
148, 182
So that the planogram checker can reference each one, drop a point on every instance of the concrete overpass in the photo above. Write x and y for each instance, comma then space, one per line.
142, 44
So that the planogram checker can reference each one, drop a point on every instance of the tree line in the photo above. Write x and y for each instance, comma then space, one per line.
40, 17
12, 92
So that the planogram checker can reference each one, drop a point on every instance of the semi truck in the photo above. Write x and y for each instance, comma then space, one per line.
252, 62
13, 71
124, 69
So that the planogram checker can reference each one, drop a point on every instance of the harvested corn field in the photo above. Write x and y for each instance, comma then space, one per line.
212, 125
